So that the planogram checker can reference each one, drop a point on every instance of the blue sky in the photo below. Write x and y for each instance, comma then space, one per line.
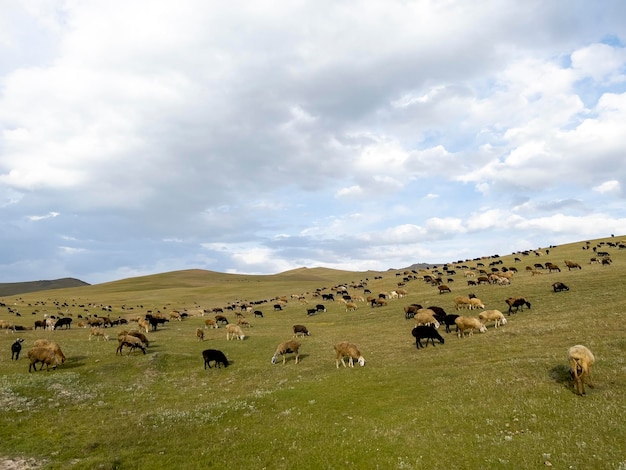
256, 137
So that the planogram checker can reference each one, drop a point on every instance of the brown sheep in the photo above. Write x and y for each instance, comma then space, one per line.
44, 355
344, 349
285, 348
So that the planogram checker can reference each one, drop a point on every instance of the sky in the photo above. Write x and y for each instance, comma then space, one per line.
258, 136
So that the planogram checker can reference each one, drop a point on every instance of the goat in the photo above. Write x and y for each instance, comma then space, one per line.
234, 331
517, 302
285, 348
580, 361
216, 356
16, 348
44, 355
300, 330
495, 316
559, 287
469, 323
428, 332
344, 349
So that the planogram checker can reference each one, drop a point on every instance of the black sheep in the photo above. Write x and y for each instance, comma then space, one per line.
16, 348
214, 355
559, 286
428, 332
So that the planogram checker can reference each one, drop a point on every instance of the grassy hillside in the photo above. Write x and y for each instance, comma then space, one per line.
502, 399
14, 288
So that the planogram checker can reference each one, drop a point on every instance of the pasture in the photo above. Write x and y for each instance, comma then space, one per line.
500, 399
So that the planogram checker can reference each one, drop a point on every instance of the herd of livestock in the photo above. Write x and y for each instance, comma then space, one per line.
427, 319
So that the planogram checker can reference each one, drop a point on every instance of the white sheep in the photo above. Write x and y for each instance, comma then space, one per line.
492, 315
425, 316
468, 323
344, 349
580, 361
285, 348
234, 331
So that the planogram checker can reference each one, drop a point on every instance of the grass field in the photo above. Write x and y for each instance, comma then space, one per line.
502, 399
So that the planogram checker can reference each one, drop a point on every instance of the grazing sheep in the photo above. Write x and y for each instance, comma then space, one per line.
344, 349
44, 343
216, 356
210, 323
351, 306
469, 323
461, 302
131, 342
476, 303
243, 322
140, 335
285, 348
234, 331
580, 361
495, 316
425, 316
199, 334
16, 348
300, 330
428, 332
411, 310
98, 332
44, 355
143, 324
258, 313
559, 287
444, 288
449, 320
571, 265
517, 302
221, 319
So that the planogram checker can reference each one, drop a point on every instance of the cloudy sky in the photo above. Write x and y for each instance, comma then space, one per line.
259, 136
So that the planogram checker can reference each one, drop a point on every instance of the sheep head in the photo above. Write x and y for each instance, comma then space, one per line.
361, 361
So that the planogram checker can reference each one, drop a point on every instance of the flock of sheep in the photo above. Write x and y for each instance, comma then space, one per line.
427, 321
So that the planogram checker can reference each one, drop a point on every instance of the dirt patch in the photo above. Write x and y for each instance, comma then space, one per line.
20, 464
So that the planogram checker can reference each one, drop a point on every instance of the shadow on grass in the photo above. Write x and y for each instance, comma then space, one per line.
561, 375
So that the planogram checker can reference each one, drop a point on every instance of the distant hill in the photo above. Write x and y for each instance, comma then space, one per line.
14, 288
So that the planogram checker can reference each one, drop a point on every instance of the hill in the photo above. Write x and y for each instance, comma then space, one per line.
14, 288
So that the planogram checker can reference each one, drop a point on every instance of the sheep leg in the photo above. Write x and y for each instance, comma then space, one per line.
418, 343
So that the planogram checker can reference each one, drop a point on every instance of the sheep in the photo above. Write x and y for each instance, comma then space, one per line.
44, 343
131, 341
214, 355
285, 348
559, 287
476, 303
450, 319
351, 306
344, 349
580, 361
300, 330
210, 323
425, 316
444, 288
16, 348
495, 316
516, 302
221, 319
98, 332
44, 355
461, 302
243, 322
143, 324
428, 332
199, 334
234, 331
572, 265
258, 313
469, 323
411, 310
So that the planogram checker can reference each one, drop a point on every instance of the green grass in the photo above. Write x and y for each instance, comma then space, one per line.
502, 399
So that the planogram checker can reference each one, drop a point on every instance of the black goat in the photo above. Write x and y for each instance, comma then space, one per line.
16, 348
